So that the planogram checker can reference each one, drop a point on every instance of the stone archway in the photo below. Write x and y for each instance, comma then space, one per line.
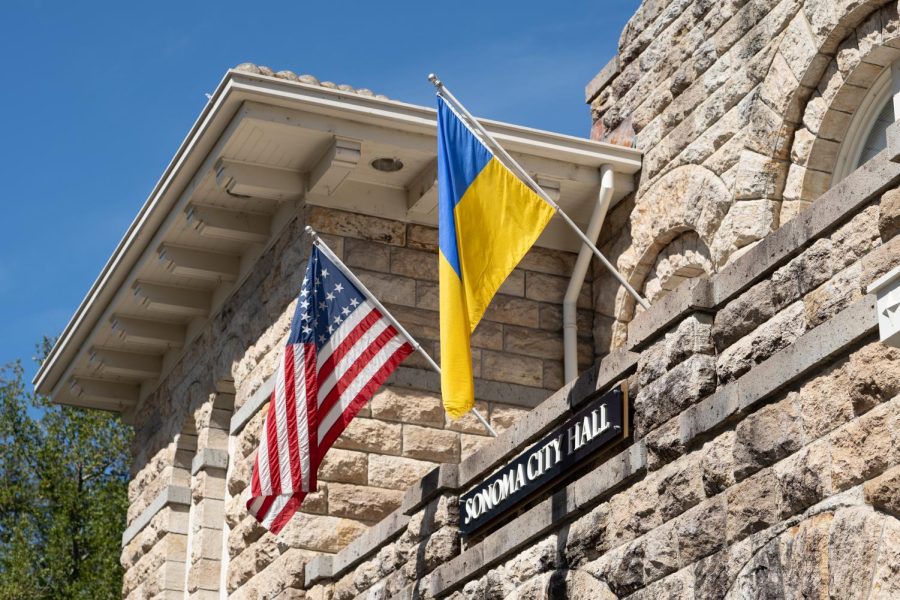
689, 201
861, 57
853, 552
683, 258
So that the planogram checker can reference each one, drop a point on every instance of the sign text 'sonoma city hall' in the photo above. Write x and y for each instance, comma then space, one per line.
599, 424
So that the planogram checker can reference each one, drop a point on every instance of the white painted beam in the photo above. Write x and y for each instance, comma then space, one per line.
258, 181
175, 300
126, 364
332, 169
143, 331
232, 225
116, 392
421, 193
551, 185
191, 262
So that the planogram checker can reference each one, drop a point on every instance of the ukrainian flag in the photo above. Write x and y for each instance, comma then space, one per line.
488, 219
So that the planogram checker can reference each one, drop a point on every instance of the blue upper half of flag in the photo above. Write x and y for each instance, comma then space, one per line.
326, 299
461, 157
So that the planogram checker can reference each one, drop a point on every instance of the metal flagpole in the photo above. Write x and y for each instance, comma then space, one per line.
514, 166
321, 245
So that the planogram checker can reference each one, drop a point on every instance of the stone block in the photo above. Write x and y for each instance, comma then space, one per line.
825, 403
503, 416
513, 311
857, 237
427, 295
804, 479
753, 504
874, 376
367, 255
833, 296
209, 513
416, 264
804, 273
633, 512
886, 580
717, 464
362, 503
514, 285
693, 295
316, 503
389, 288
249, 562
652, 363
488, 335
854, 551
370, 435
693, 335
203, 575
883, 492
344, 466
679, 487
621, 568
469, 423
425, 443
586, 539
766, 436
552, 375
805, 559
532, 342
699, 531
866, 446
422, 237
663, 445
551, 288
660, 552
879, 261
395, 472
356, 225
320, 533
889, 214
209, 484
510, 368
678, 389
767, 339
743, 314
470, 444
408, 406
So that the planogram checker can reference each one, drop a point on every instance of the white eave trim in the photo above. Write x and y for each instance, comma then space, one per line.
237, 87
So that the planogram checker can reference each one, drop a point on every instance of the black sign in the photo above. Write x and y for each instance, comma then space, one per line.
599, 424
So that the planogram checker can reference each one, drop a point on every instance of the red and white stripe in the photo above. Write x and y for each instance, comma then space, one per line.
316, 395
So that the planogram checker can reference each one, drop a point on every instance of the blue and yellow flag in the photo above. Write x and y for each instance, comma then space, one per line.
488, 219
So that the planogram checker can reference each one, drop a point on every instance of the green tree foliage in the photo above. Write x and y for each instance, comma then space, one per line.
63, 496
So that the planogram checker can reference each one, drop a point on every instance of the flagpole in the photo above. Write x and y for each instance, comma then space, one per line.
321, 245
514, 166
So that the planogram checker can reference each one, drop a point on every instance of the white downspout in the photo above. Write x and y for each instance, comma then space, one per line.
570, 313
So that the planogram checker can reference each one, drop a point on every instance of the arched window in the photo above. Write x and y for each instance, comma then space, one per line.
867, 133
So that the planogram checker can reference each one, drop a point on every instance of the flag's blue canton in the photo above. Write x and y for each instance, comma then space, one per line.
327, 298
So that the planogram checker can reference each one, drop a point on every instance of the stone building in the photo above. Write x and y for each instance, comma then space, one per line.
758, 211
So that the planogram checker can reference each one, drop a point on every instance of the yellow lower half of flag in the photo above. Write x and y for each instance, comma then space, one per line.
497, 220
457, 387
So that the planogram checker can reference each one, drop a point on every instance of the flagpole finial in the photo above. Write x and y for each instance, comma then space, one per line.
311, 232
435, 81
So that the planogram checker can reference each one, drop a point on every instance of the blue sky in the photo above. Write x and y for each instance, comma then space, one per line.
97, 96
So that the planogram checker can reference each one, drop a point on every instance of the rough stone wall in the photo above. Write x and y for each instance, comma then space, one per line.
740, 107
765, 458
188, 528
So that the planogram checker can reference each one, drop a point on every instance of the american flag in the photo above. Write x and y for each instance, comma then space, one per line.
340, 350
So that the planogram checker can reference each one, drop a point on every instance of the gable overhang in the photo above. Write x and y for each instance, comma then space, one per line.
261, 148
